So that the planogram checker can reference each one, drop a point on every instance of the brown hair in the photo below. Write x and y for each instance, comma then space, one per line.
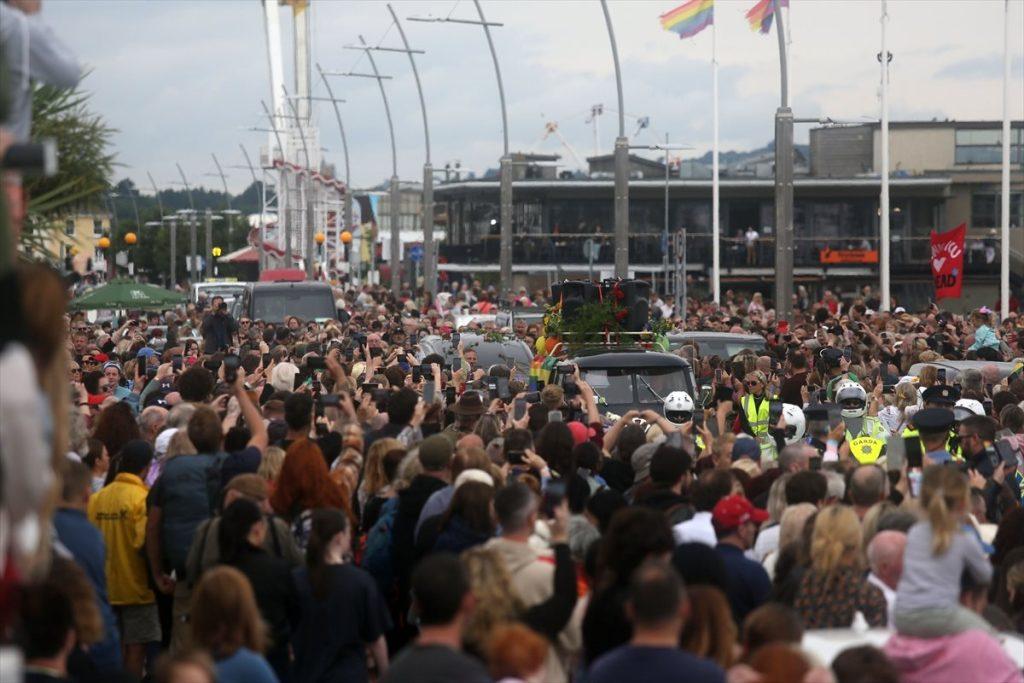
69, 579
224, 613
780, 663
205, 430
515, 651
710, 631
375, 475
772, 622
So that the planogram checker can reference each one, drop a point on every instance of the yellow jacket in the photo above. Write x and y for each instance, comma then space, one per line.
119, 512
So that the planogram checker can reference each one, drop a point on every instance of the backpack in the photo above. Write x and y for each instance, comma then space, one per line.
378, 557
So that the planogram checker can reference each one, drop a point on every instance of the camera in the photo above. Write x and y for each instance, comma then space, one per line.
31, 158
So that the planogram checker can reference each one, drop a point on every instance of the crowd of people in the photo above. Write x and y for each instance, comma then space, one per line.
191, 497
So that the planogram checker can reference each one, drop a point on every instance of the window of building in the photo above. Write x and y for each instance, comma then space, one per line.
69, 227
984, 146
97, 226
986, 210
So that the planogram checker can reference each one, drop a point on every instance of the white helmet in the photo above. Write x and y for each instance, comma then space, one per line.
966, 407
796, 423
852, 399
678, 407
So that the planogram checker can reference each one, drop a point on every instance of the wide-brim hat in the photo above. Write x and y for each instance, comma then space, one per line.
470, 403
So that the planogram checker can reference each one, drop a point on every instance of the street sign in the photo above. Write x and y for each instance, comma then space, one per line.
416, 253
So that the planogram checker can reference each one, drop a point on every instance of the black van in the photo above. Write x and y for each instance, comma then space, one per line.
629, 379
273, 302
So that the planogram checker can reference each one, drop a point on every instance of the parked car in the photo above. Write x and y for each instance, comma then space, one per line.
228, 290
533, 315
508, 352
629, 379
273, 302
721, 344
955, 367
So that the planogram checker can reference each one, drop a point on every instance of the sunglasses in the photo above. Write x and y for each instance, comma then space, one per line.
244, 322
86, 361
752, 382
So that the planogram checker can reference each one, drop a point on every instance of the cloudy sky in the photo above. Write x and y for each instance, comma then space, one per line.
180, 79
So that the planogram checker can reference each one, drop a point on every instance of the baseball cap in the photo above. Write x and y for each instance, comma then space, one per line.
746, 447
732, 511
581, 433
146, 352
641, 461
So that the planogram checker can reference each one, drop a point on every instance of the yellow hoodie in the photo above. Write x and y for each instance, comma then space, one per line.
119, 512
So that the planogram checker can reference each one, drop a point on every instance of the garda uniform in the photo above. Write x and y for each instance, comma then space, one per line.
940, 395
868, 444
935, 421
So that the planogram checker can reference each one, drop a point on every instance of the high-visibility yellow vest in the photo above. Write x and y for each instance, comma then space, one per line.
954, 451
757, 418
867, 446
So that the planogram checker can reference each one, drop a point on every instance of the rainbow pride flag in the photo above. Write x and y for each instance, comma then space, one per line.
690, 18
760, 15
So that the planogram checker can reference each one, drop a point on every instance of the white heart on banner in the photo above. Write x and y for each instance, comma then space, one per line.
937, 263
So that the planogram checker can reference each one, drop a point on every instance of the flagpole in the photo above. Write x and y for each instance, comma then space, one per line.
1004, 251
716, 287
883, 262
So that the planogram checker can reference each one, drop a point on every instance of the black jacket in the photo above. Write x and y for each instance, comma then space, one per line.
217, 331
410, 503
271, 580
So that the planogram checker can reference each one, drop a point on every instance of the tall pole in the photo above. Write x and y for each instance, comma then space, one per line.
621, 164
174, 252
395, 200
716, 236
171, 279
783, 187
664, 232
193, 270
427, 204
1004, 250
260, 255
282, 214
306, 191
208, 252
347, 210
883, 237
505, 192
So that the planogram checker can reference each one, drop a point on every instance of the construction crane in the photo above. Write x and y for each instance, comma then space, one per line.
551, 128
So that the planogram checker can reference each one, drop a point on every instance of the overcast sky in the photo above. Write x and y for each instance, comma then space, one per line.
180, 79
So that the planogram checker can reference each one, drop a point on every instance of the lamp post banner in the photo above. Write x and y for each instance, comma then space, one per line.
948, 262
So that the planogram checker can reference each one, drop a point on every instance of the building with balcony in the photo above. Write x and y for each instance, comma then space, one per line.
942, 174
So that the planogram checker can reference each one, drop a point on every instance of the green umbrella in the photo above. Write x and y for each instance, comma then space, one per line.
120, 294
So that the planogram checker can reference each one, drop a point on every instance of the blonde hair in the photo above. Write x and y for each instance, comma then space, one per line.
180, 445
270, 464
496, 600
836, 541
944, 492
777, 498
794, 519
928, 376
906, 395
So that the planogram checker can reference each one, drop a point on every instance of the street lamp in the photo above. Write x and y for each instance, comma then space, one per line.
505, 194
395, 196
621, 163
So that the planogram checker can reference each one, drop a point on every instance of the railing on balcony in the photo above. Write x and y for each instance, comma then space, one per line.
646, 249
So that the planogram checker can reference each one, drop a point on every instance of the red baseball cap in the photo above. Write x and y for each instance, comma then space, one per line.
732, 511
581, 433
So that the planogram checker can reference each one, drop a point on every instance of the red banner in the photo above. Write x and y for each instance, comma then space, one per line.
948, 262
